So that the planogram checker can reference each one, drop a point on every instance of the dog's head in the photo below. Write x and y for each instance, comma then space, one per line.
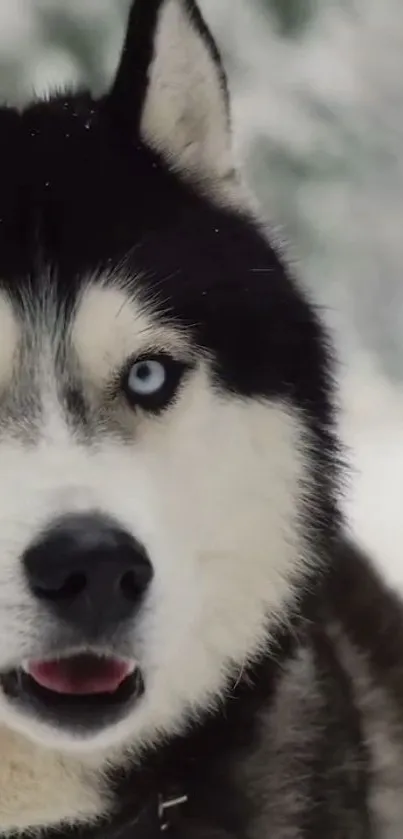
166, 466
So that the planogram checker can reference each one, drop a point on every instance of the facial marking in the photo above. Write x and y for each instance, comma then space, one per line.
9, 339
110, 327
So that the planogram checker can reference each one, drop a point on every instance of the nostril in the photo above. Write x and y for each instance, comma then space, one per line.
67, 590
131, 586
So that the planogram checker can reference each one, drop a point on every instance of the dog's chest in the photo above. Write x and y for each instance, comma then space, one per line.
38, 787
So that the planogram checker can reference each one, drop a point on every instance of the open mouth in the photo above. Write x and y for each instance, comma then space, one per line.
81, 691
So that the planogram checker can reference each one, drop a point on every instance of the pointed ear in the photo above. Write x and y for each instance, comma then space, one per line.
170, 87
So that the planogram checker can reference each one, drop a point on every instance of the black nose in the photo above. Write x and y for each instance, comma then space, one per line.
89, 571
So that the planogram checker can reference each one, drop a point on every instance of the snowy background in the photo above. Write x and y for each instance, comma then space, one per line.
318, 116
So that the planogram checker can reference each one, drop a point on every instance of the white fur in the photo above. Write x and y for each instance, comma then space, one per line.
9, 340
212, 488
42, 786
107, 310
185, 115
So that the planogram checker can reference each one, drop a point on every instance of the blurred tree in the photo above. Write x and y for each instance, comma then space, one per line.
290, 16
45, 44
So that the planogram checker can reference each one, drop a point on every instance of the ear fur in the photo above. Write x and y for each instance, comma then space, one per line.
171, 89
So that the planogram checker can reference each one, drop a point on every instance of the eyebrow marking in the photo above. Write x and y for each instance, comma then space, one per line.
110, 327
10, 334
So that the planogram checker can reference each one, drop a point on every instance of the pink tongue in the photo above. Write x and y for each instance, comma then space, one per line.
80, 675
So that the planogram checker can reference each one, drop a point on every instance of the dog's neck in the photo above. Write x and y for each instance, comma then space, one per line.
45, 788
148, 806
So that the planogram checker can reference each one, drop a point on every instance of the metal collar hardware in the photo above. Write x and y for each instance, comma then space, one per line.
168, 805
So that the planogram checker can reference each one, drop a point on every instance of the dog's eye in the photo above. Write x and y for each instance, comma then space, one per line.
151, 382
146, 377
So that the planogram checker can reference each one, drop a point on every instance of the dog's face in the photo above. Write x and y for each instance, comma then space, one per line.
166, 470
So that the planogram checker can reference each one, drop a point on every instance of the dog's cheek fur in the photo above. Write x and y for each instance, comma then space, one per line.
221, 547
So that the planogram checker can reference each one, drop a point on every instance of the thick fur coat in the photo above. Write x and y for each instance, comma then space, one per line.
179, 608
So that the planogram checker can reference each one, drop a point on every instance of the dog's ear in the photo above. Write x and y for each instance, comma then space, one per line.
170, 88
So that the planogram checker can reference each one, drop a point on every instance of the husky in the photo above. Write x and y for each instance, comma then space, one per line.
189, 643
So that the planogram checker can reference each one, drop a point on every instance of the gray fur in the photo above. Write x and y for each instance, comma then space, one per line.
269, 653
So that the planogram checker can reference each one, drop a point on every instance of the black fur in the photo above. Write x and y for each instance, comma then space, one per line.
82, 194
228, 762
79, 197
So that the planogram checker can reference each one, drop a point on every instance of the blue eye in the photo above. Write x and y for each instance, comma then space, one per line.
151, 382
146, 377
